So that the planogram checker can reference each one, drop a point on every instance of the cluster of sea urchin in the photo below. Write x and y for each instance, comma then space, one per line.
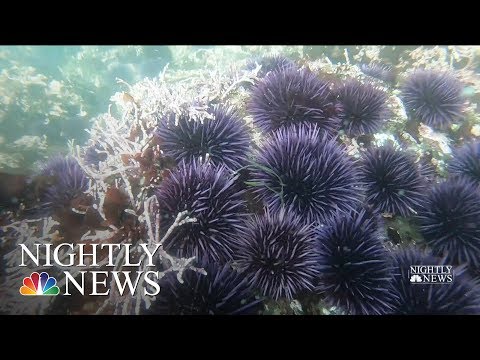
449, 221
209, 194
291, 97
313, 235
393, 182
225, 137
364, 107
461, 297
222, 291
353, 264
309, 174
433, 98
276, 253
466, 162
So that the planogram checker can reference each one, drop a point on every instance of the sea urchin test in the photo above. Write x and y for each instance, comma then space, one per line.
96, 256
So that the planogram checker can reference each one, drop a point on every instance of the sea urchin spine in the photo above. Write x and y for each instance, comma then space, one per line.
210, 195
225, 137
433, 98
466, 162
449, 221
276, 253
310, 175
67, 181
379, 71
222, 291
393, 182
364, 107
354, 265
291, 97
269, 64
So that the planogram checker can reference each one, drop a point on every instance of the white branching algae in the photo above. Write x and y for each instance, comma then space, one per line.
121, 140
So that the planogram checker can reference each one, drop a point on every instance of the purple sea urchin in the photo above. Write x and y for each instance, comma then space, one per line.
210, 195
364, 107
290, 96
94, 155
449, 221
379, 71
432, 97
461, 297
393, 182
270, 64
354, 264
310, 175
225, 138
222, 291
466, 162
276, 253
66, 181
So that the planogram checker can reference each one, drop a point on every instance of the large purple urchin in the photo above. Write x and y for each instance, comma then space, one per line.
66, 181
310, 175
276, 253
393, 181
354, 264
225, 137
434, 98
364, 107
466, 162
223, 291
291, 96
449, 221
269, 64
461, 297
210, 195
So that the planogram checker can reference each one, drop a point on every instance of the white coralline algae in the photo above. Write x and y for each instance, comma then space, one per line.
123, 135
31, 141
440, 139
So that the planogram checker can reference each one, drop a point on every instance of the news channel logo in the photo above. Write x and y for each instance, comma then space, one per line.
431, 274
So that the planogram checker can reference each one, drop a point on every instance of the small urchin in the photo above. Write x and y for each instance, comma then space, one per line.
291, 96
222, 291
364, 107
433, 97
460, 297
393, 182
270, 63
449, 220
466, 162
65, 181
225, 137
379, 71
307, 173
354, 264
93, 155
211, 195
276, 253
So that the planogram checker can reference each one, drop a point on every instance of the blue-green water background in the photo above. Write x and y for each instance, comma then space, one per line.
87, 80
50, 94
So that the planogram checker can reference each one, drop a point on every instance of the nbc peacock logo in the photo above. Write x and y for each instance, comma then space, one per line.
41, 284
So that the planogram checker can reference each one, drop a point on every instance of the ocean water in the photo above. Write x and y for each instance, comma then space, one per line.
307, 180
